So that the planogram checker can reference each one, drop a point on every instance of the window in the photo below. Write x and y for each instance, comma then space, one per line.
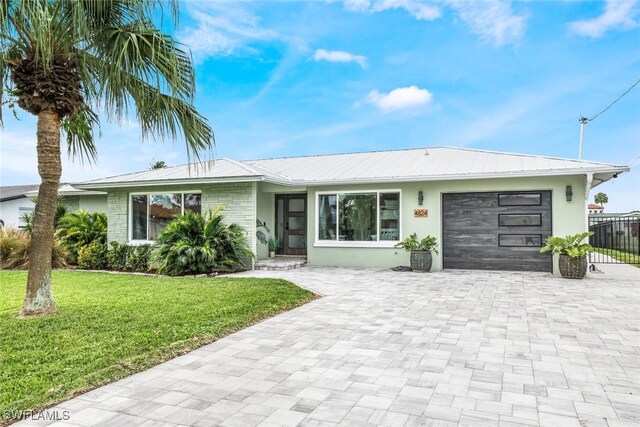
151, 213
520, 199
520, 240
22, 212
520, 220
367, 216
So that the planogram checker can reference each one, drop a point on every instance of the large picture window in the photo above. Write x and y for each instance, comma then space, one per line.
367, 216
151, 213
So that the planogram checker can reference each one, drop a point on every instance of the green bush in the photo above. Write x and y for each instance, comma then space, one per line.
81, 228
93, 256
197, 244
117, 256
139, 258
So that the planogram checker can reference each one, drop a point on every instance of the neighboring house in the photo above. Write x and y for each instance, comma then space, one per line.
14, 203
595, 209
16, 200
489, 210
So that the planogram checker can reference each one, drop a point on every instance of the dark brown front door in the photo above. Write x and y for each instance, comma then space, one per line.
291, 224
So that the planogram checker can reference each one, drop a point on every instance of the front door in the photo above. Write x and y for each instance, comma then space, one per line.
291, 224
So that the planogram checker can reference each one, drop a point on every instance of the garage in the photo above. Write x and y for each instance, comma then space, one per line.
496, 231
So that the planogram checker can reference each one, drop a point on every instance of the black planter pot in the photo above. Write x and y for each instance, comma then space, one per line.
572, 268
421, 261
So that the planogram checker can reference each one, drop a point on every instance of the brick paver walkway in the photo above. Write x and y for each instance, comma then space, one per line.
405, 349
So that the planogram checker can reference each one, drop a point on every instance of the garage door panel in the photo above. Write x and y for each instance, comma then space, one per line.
472, 228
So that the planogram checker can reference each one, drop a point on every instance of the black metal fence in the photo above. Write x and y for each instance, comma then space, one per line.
615, 239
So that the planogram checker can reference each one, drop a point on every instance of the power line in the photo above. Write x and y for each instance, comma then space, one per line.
585, 119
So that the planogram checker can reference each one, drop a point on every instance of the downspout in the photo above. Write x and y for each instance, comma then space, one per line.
588, 178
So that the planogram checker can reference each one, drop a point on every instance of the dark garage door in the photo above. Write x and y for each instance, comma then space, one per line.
496, 231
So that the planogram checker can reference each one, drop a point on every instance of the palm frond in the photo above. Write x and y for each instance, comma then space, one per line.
79, 134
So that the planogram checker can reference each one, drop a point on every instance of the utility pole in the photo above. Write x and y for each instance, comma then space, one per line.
583, 121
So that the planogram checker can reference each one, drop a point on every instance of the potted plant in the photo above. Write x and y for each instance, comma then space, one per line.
273, 247
420, 258
572, 253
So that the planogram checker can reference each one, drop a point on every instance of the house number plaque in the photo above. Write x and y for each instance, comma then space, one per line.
421, 213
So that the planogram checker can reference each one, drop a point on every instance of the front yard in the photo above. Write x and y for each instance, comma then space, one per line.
109, 326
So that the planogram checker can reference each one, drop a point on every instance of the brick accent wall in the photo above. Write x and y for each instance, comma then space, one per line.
117, 216
239, 200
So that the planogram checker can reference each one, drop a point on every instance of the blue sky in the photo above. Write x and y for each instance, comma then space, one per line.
298, 78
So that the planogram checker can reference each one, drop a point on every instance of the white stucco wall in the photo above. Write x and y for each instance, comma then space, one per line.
9, 210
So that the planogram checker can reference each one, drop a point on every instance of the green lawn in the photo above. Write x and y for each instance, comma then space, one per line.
109, 326
626, 257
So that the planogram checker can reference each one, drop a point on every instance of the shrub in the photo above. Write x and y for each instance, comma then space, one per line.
14, 250
139, 258
93, 256
117, 256
197, 244
80, 228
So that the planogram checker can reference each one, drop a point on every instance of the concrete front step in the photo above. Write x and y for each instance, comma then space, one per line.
279, 263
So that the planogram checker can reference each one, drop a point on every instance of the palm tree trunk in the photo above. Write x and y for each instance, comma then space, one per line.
39, 296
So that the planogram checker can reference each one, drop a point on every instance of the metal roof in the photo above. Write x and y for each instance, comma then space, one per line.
220, 170
441, 163
12, 192
67, 190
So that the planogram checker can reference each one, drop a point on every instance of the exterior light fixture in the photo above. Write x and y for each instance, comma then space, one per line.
569, 193
420, 198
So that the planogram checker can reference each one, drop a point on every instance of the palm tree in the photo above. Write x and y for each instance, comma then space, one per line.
65, 60
601, 199
160, 164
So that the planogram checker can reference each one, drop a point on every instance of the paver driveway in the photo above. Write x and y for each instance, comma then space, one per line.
384, 348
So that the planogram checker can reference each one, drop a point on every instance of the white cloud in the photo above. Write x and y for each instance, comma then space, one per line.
493, 21
225, 28
418, 9
617, 15
399, 99
339, 56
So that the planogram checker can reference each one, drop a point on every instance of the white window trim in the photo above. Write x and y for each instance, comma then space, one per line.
350, 243
133, 241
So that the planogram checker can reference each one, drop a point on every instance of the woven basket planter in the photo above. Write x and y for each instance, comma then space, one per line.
421, 261
572, 268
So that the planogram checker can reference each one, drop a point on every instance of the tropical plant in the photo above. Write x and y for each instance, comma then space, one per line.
93, 256
81, 228
61, 210
601, 199
62, 61
197, 244
412, 244
273, 244
568, 245
15, 246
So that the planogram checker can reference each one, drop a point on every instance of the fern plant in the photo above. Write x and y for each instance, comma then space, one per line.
571, 246
198, 244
